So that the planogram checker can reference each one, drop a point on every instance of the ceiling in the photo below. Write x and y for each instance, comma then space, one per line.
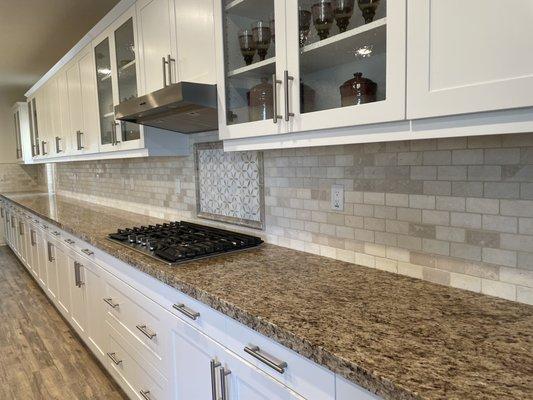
35, 34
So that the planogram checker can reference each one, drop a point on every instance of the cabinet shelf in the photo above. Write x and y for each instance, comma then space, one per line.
111, 114
127, 66
105, 78
249, 8
258, 69
342, 47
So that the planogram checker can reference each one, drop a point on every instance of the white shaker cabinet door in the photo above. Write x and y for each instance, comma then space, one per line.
155, 24
91, 130
468, 56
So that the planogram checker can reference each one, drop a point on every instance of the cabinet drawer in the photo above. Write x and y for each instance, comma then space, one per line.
132, 372
300, 374
140, 320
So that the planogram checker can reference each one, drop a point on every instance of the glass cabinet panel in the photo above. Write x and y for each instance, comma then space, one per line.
342, 53
249, 59
105, 91
127, 74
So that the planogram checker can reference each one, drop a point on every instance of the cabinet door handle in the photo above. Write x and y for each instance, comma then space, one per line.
275, 83
21, 229
109, 301
58, 139
43, 143
78, 140
32, 238
277, 365
50, 257
288, 113
164, 72
214, 365
145, 394
182, 308
223, 373
146, 332
77, 274
88, 252
170, 60
113, 357
2, 212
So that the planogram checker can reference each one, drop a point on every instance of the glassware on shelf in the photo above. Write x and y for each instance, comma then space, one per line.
261, 35
261, 101
368, 8
322, 17
272, 22
343, 11
304, 25
358, 90
247, 45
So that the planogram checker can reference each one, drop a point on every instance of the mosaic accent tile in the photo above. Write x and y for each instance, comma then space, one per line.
229, 185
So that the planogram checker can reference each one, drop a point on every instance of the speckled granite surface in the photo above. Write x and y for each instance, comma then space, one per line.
399, 337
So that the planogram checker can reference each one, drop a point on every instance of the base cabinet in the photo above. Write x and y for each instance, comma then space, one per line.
156, 342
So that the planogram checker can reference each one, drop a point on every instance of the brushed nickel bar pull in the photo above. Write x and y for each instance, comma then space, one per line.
223, 373
49, 247
21, 228
288, 113
78, 140
2, 212
186, 311
43, 143
58, 139
88, 252
146, 332
32, 238
109, 301
164, 72
70, 241
275, 83
214, 365
113, 357
170, 60
277, 365
56, 233
12, 222
145, 394
77, 274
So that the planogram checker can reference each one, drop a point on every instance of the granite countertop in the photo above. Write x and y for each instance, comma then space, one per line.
399, 337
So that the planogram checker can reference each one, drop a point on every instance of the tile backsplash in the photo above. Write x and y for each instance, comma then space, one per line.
457, 212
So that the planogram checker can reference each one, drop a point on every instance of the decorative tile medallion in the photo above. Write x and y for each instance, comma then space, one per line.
229, 185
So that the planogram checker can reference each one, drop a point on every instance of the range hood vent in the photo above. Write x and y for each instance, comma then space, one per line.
183, 107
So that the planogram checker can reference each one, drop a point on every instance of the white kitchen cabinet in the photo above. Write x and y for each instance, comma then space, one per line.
78, 295
117, 80
21, 126
466, 57
52, 285
204, 366
62, 267
62, 141
297, 87
157, 54
81, 88
34, 249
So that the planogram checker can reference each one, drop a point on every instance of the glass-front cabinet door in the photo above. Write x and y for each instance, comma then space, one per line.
117, 81
251, 43
128, 133
345, 63
102, 57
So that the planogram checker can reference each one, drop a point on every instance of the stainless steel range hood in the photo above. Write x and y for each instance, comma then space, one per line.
183, 107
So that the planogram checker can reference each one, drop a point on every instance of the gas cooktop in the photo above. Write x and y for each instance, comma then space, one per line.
177, 242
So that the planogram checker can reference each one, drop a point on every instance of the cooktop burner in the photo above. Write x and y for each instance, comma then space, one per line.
177, 242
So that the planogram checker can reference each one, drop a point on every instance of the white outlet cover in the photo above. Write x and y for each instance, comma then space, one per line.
337, 197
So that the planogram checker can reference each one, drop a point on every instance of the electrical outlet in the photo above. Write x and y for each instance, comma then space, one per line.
178, 186
337, 197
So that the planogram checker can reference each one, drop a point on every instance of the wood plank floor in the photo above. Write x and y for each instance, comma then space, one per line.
40, 356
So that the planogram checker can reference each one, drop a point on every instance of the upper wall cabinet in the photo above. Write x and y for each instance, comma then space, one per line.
21, 130
117, 80
176, 42
294, 65
468, 56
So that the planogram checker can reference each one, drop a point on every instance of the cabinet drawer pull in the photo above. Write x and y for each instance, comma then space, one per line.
56, 233
214, 365
223, 373
113, 357
88, 252
182, 308
69, 241
109, 301
273, 363
145, 394
146, 332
